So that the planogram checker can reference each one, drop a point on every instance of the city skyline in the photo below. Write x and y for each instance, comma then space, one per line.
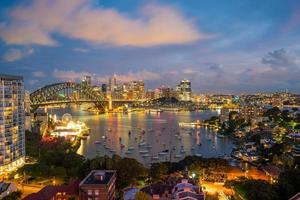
230, 47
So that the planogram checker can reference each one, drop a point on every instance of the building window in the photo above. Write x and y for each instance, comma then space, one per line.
96, 192
90, 192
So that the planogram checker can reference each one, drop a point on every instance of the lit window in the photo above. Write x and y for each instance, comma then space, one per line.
90, 192
96, 192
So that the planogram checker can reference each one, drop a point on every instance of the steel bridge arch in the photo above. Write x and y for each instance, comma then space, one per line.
48, 93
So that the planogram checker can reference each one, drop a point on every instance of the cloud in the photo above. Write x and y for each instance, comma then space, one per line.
280, 59
38, 74
16, 54
189, 71
78, 19
132, 76
280, 70
32, 82
81, 50
69, 75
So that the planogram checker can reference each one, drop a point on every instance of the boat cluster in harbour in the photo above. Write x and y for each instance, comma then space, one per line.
180, 141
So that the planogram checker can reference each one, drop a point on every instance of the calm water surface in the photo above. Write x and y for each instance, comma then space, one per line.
159, 132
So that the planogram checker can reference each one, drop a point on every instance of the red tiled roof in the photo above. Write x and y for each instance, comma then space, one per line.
48, 192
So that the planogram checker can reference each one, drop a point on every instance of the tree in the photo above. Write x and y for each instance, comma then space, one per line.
253, 189
141, 196
273, 113
157, 170
288, 183
212, 196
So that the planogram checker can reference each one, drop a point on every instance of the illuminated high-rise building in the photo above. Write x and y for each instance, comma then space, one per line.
112, 83
184, 90
138, 89
87, 80
12, 122
104, 88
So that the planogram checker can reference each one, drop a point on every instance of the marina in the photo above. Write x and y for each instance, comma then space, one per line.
150, 137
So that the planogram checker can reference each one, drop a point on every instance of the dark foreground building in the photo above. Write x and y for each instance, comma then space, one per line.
98, 185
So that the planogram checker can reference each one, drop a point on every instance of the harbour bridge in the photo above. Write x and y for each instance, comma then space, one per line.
72, 92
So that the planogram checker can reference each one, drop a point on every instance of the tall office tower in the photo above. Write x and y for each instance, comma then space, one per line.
12, 134
87, 80
184, 90
104, 88
112, 83
138, 89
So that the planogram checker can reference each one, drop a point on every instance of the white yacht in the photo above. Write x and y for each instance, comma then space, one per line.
178, 156
144, 151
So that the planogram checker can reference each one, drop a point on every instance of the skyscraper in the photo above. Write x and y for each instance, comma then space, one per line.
87, 80
138, 89
104, 88
112, 83
12, 121
184, 90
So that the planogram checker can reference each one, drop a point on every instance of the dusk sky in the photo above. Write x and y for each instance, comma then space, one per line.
227, 46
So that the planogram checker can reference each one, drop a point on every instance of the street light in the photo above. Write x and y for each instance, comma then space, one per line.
193, 175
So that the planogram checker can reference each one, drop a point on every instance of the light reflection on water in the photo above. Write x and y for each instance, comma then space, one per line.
160, 130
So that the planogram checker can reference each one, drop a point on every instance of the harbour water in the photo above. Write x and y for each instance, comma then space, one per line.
149, 137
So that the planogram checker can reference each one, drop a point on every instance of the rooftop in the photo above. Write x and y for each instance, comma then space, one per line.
272, 170
10, 77
3, 187
158, 188
98, 177
48, 192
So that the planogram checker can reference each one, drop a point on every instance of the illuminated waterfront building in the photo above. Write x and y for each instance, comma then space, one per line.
184, 90
118, 92
150, 94
12, 122
138, 89
112, 83
167, 92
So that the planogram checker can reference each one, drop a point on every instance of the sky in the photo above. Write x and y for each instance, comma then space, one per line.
232, 46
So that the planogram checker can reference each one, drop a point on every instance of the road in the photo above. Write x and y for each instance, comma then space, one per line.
233, 173
27, 189
254, 173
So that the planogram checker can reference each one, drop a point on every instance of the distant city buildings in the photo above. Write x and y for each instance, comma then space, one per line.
128, 90
12, 122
